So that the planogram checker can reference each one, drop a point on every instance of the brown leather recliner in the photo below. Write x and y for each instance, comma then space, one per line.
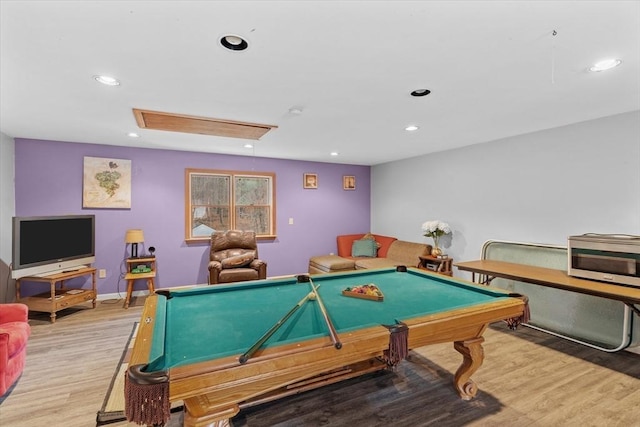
234, 257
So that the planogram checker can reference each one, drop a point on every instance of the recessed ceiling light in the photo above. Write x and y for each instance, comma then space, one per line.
133, 135
248, 145
334, 153
411, 128
605, 65
106, 80
233, 42
420, 92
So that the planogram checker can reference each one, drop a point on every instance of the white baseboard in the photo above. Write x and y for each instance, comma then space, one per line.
121, 295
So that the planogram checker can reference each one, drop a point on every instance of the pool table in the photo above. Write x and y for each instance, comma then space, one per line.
190, 340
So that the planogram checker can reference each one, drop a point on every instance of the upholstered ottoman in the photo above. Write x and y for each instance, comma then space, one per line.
330, 264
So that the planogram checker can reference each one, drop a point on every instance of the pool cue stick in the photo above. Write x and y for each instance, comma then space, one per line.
243, 359
332, 331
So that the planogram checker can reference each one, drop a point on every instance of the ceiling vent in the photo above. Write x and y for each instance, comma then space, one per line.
199, 125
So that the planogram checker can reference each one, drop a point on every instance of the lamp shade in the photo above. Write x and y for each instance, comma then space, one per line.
134, 236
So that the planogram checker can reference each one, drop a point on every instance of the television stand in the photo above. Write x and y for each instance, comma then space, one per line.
58, 298
62, 270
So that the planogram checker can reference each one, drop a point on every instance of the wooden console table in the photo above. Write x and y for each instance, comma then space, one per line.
58, 298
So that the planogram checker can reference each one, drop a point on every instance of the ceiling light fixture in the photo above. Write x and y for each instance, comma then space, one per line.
334, 153
133, 135
106, 80
233, 42
605, 65
420, 92
248, 145
411, 128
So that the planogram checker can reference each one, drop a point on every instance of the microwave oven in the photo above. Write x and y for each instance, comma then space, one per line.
613, 258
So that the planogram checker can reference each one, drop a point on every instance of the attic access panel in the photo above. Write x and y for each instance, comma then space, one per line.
200, 125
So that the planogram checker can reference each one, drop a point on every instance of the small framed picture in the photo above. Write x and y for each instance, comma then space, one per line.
310, 180
348, 182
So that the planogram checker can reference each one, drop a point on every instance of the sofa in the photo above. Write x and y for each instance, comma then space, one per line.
14, 334
388, 252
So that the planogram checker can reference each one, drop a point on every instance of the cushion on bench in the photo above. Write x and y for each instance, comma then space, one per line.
330, 264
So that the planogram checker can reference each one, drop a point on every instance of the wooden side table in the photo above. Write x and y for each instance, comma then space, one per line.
132, 276
58, 298
436, 265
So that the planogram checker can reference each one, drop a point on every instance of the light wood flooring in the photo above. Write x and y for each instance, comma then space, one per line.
528, 379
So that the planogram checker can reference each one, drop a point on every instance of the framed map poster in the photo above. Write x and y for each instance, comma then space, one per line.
106, 183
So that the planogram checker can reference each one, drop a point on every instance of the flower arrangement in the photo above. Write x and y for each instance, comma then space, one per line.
435, 230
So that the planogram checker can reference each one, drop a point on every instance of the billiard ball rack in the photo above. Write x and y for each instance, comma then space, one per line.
349, 292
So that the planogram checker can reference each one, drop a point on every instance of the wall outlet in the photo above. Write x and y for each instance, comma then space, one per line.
102, 273
290, 221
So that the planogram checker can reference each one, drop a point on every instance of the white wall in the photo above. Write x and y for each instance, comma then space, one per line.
539, 187
7, 210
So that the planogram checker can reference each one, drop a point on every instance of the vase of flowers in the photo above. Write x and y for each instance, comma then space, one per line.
435, 230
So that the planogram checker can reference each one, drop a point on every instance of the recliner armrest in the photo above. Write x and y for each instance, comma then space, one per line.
214, 267
257, 263
260, 266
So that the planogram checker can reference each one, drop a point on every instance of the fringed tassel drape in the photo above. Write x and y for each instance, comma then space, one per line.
514, 322
398, 344
147, 403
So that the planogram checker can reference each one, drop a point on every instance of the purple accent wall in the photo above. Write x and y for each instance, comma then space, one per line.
48, 181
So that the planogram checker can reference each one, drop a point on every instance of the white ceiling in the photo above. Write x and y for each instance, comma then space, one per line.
495, 70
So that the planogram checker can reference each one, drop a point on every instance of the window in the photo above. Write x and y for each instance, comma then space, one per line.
229, 200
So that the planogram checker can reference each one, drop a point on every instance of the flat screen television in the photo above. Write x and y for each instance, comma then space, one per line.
48, 244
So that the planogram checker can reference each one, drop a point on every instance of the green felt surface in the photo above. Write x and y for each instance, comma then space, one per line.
215, 321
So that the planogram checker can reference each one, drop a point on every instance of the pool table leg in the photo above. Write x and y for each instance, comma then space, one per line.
473, 356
